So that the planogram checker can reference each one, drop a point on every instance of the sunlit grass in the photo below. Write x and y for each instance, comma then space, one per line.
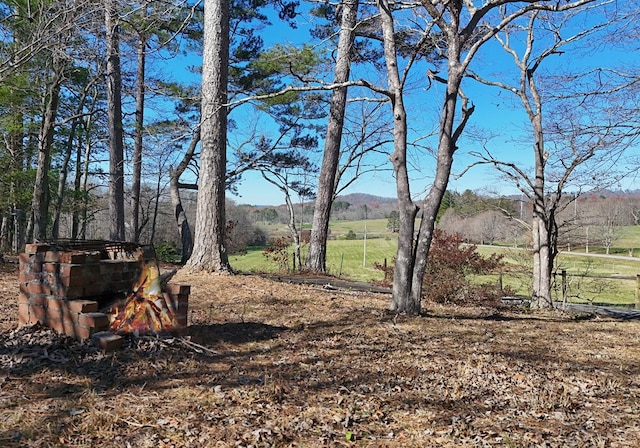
589, 279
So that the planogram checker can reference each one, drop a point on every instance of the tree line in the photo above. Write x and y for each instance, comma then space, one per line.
84, 115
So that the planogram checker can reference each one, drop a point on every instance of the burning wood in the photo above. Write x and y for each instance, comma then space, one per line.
147, 309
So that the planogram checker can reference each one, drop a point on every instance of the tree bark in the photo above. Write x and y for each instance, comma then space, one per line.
402, 299
137, 146
114, 117
40, 209
209, 251
186, 237
413, 249
317, 254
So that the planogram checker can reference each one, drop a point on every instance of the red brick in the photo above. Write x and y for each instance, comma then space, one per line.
51, 256
99, 321
81, 333
50, 267
73, 292
82, 306
26, 259
57, 325
53, 314
31, 248
25, 277
107, 341
23, 298
37, 313
79, 270
34, 299
178, 289
93, 257
72, 257
24, 314
69, 326
108, 267
94, 288
34, 288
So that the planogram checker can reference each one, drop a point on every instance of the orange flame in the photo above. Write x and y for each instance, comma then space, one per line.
147, 309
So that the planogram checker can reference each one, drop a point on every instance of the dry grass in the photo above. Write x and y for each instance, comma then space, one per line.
277, 364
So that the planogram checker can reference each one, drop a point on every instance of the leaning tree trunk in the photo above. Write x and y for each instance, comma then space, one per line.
317, 253
209, 251
114, 118
186, 237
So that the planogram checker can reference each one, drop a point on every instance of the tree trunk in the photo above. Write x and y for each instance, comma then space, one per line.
402, 300
317, 254
295, 236
15, 147
186, 238
40, 209
542, 219
413, 250
114, 117
62, 181
137, 146
209, 251
77, 179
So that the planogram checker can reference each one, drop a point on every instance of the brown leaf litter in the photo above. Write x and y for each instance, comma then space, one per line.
279, 364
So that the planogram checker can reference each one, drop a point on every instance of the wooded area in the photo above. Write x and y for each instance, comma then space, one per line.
89, 124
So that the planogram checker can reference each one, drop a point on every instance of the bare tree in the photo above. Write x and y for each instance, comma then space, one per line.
577, 134
463, 28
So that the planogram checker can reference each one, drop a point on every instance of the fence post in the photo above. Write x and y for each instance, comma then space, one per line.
564, 289
638, 291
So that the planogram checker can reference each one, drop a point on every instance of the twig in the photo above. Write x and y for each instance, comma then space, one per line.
197, 347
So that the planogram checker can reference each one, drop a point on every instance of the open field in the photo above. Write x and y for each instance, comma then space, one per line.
286, 365
591, 279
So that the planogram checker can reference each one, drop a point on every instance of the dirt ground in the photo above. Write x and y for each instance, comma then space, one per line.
272, 363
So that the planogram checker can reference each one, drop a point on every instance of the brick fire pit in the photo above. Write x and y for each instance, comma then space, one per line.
72, 286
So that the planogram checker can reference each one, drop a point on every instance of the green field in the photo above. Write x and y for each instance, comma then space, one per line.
345, 258
589, 279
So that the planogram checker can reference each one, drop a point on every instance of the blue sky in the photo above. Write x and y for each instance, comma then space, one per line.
496, 113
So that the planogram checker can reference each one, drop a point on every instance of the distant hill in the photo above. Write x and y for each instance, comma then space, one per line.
364, 198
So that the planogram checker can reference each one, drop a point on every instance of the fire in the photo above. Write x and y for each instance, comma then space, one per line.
147, 309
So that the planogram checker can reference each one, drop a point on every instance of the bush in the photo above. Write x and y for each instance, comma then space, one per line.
278, 252
167, 252
450, 266
351, 235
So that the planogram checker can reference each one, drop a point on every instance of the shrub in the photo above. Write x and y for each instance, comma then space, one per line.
351, 235
278, 252
450, 266
167, 252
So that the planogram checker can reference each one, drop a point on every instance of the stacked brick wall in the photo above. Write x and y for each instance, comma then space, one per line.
63, 290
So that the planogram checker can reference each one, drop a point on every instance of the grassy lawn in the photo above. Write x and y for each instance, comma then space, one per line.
589, 279
345, 258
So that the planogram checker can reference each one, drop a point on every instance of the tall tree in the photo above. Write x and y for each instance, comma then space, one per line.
317, 254
141, 62
209, 252
115, 125
464, 28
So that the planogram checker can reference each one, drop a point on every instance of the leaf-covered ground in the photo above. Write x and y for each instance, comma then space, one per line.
280, 364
